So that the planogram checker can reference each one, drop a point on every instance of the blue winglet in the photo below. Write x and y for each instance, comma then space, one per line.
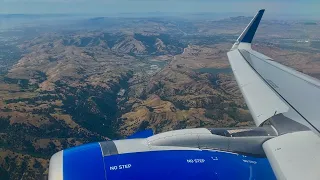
248, 34
141, 134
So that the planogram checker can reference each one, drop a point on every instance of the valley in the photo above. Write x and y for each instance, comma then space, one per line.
107, 78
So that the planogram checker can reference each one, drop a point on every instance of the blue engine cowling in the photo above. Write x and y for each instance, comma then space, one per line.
89, 162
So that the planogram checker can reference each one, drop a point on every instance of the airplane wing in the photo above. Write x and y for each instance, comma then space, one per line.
286, 99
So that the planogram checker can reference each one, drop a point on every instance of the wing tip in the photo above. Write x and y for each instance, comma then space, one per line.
248, 34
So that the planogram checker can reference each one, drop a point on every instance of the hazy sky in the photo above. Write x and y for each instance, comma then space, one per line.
298, 7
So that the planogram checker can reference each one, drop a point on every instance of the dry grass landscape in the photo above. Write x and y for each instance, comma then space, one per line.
78, 85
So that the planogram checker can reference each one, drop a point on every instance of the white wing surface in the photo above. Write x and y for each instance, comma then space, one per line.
287, 99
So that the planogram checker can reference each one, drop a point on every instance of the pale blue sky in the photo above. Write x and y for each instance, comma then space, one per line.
297, 7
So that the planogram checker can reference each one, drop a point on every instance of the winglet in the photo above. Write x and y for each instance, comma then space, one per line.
248, 34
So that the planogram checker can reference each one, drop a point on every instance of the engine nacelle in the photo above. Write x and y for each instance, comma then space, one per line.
182, 154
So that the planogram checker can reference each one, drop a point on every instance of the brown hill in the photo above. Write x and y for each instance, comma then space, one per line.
129, 45
179, 97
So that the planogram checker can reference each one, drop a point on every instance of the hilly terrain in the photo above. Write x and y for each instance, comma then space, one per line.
107, 78
65, 91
